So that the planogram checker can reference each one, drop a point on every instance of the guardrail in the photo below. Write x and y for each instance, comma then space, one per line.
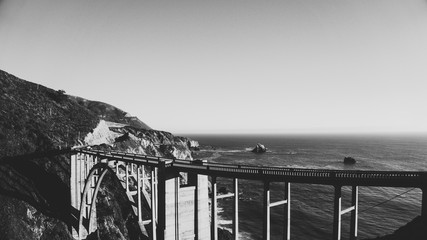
280, 174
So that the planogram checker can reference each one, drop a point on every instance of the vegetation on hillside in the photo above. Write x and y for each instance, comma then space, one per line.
110, 113
36, 118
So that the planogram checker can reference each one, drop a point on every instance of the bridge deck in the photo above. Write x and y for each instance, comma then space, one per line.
277, 174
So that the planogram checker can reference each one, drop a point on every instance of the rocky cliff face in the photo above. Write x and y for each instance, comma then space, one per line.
123, 137
34, 187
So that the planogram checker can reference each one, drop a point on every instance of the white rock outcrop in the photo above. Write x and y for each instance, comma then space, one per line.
101, 135
122, 137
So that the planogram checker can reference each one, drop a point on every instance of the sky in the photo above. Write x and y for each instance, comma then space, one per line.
235, 66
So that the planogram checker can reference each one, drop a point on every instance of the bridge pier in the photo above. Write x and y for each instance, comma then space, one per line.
236, 209
161, 200
267, 212
338, 213
139, 172
202, 227
354, 213
214, 210
287, 223
153, 205
80, 166
194, 181
73, 195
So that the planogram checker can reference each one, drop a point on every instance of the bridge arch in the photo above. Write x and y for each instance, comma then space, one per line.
88, 199
87, 175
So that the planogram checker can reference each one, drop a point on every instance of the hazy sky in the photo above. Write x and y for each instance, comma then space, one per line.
230, 66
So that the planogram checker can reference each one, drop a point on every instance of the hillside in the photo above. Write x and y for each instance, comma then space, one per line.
38, 121
110, 113
36, 118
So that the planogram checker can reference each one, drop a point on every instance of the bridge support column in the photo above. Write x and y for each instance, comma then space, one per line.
202, 226
74, 193
267, 211
80, 177
161, 178
337, 214
214, 218
176, 193
86, 173
143, 176
139, 192
287, 225
169, 208
73, 180
196, 210
153, 207
156, 191
354, 212
266, 214
127, 177
236, 209
194, 180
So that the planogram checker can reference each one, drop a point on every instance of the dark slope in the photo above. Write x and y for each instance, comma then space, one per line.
36, 118
34, 190
414, 230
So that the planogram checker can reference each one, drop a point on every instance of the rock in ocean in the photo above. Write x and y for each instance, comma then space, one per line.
349, 160
259, 148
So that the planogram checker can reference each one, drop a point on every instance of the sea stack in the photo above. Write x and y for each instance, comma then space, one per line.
259, 148
349, 160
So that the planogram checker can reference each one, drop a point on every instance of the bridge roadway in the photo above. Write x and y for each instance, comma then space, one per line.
170, 167
278, 174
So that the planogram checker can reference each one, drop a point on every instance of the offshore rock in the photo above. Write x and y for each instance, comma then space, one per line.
349, 160
259, 148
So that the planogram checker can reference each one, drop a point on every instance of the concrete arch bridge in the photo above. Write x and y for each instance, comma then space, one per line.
182, 211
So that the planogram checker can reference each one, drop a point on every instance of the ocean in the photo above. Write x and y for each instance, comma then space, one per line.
381, 210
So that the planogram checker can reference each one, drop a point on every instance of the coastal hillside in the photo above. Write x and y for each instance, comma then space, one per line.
36, 123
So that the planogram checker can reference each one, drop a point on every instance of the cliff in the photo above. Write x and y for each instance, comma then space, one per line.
34, 186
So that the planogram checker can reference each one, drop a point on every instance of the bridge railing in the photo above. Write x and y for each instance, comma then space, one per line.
302, 175
257, 169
